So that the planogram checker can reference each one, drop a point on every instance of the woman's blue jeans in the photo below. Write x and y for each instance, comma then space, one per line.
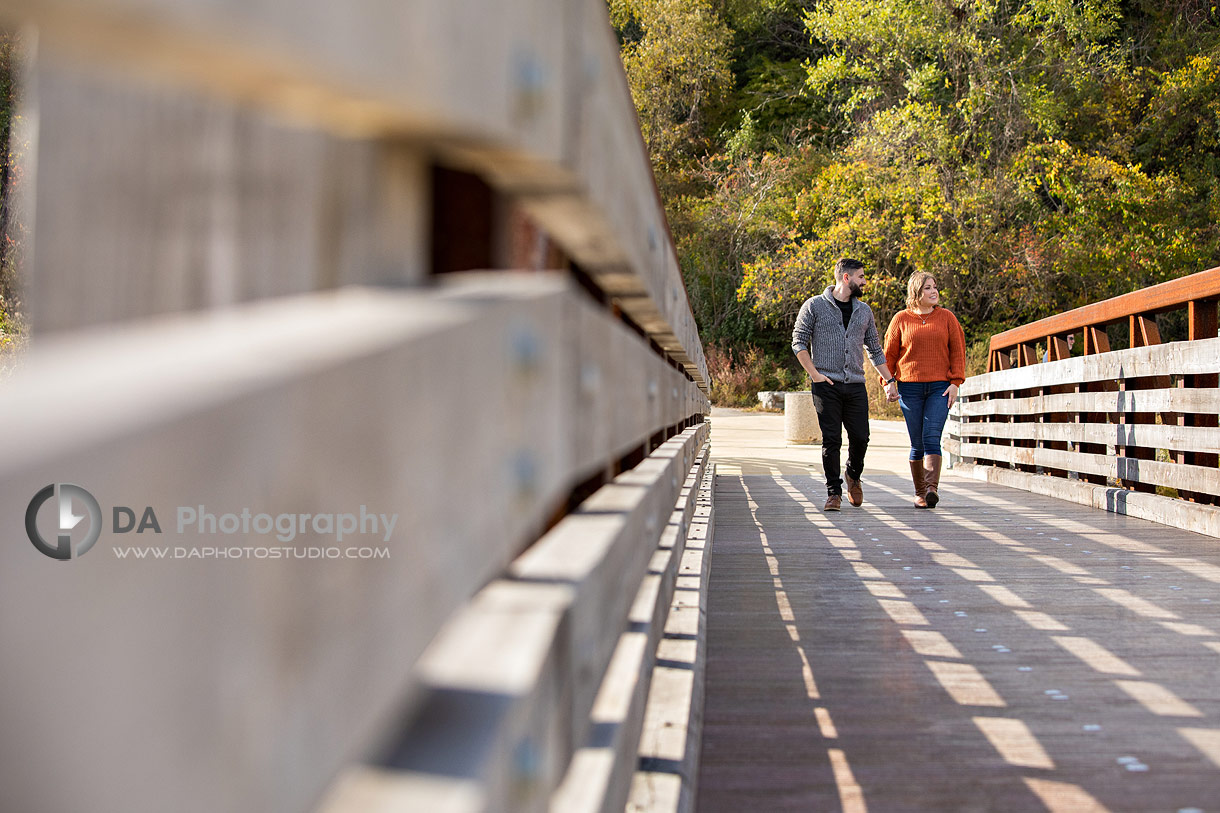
925, 407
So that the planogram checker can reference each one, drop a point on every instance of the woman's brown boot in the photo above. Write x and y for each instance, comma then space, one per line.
931, 479
917, 479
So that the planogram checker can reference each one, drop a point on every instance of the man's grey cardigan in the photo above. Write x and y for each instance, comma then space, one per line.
837, 352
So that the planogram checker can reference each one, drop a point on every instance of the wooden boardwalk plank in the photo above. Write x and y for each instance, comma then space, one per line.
1007, 651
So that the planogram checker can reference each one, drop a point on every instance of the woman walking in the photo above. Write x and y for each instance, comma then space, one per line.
926, 350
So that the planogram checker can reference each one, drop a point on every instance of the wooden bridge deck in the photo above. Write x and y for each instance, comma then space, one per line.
1006, 651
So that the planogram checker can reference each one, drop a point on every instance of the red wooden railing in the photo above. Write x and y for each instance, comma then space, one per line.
1198, 293
1137, 419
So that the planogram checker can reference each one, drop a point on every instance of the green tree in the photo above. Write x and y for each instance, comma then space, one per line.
1034, 155
12, 324
675, 54
989, 144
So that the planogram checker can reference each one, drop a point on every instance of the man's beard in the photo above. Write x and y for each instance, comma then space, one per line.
855, 290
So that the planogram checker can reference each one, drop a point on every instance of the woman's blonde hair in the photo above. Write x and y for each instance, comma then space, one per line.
915, 287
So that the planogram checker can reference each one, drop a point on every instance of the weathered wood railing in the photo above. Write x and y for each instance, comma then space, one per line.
243, 221
1132, 429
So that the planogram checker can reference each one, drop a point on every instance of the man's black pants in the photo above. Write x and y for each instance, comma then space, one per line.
839, 406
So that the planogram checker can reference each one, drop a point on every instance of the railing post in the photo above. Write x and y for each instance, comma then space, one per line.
1201, 324
1143, 333
1027, 355
1056, 349
1096, 340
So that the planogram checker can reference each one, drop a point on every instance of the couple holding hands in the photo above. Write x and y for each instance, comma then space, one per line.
922, 362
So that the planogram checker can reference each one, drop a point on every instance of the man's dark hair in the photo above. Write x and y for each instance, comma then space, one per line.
846, 265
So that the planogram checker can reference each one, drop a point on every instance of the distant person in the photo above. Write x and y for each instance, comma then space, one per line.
926, 349
1071, 342
830, 333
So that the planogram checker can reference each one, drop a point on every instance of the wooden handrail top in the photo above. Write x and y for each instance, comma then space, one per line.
1165, 296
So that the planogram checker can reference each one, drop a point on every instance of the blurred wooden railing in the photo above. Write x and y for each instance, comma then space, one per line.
246, 222
1131, 429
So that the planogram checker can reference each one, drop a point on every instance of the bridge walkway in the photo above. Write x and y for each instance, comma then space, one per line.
1006, 651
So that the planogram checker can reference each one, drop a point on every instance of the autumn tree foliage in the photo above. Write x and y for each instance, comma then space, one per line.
1032, 154
676, 56
12, 323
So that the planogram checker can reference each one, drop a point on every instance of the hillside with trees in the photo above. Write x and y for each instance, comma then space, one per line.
1033, 155
12, 325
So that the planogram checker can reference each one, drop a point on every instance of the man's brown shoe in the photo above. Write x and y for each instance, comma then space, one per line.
833, 503
855, 494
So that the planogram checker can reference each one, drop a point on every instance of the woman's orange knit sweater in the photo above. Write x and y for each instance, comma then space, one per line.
926, 348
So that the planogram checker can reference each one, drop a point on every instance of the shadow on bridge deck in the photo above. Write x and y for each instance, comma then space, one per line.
1003, 652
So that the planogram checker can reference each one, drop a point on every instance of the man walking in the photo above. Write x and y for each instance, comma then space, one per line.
830, 333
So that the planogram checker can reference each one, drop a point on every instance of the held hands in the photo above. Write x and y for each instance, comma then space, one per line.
891, 391
952, 393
